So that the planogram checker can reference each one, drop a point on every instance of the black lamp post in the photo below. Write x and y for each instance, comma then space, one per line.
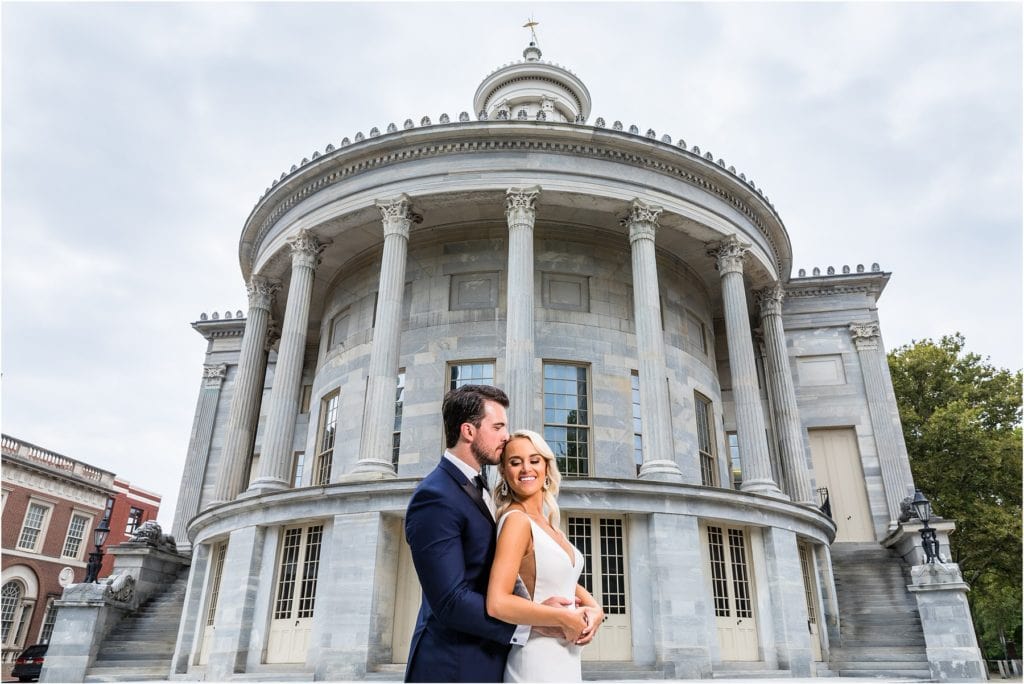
99, 537
929, 543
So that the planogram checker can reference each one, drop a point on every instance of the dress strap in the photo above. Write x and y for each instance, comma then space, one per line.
510, 512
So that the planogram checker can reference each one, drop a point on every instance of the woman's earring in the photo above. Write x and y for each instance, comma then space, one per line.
547, 482
504, 488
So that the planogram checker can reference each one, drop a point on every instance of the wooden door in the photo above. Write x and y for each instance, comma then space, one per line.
811, 596
732, 592
212, 594
295, 598
602, 542
837, 466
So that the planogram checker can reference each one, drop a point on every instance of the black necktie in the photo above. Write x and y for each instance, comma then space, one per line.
481, 483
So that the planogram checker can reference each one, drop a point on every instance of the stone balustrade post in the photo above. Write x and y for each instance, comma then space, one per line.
658, 452
750, 425
520, 212
783, 394
275, 460
379, 408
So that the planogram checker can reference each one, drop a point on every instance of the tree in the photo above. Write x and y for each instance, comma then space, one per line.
962, 425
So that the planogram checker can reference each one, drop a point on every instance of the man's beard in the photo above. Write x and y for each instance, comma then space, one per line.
481, 456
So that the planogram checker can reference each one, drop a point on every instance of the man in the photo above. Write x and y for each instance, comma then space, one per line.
451, 532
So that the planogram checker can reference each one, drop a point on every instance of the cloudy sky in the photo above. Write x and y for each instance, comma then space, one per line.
137, 137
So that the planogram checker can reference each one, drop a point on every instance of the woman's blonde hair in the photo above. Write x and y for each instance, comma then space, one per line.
505, 497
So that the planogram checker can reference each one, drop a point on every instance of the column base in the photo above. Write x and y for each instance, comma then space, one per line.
661, 470
370, 469
763, 487
263, 486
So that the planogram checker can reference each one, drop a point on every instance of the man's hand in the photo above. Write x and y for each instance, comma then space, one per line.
556, 632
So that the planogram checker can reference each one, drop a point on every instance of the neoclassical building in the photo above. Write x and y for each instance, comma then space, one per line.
727, 429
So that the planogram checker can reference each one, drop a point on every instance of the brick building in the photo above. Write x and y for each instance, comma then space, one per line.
51, 505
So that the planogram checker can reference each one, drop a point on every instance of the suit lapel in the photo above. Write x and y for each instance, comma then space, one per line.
469, 487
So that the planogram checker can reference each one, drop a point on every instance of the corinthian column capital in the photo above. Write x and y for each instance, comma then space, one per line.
642, 220
865, 336
306, 248
521, 205
261, 292
728, 254
213, 374
769, 299
397, 215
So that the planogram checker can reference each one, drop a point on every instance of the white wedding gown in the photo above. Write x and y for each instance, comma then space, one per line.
546, 659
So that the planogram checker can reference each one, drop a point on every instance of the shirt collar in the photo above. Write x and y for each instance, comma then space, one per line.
463, 467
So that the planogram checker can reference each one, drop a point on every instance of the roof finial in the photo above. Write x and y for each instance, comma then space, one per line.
532, 52
530, 24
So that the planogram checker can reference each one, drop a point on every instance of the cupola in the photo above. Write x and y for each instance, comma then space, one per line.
533, 89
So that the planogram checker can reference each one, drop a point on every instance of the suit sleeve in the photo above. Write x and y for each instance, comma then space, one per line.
433, 528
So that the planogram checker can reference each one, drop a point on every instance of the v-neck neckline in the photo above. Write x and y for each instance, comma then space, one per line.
572, 549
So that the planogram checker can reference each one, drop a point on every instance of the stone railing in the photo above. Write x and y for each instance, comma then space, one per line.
30, 452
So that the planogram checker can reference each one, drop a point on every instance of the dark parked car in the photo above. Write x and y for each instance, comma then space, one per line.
29, 663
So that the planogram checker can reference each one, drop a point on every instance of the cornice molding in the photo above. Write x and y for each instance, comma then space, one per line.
589, 149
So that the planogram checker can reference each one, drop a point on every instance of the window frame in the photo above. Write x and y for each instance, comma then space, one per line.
587, 427
130, 529
41, 531
449, 381
323, 460
396, 434
638, 428
707, 461
82, 544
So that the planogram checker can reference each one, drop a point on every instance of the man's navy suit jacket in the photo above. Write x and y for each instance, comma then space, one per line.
451, 535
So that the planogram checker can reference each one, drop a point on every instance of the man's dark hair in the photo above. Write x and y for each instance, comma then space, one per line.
466, 405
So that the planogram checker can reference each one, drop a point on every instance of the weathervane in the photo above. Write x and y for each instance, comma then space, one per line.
530, 25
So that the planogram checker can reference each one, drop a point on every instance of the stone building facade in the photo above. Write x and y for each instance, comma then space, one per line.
636, 298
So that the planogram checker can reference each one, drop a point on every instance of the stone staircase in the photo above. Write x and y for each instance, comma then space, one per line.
880, 629
140, 647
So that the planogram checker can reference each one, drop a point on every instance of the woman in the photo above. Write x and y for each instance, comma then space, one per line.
531, 546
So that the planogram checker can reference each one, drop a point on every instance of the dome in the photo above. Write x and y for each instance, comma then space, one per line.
533, 86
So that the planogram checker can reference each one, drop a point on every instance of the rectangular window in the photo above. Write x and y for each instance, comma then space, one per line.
638, 440
134, 520
396, 437
298, 462
470, 373
705, 441
328, 429
735, 465
32, 528
567, 417
740, 579
76, 533
49, 619
219, 552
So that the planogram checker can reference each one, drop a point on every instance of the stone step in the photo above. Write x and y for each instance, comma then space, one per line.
887, 665
751, 674
925, 674
879, 652
130, 672
596, 671
153, 654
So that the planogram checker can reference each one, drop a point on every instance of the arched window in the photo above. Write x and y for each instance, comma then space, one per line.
14, 613
10, 606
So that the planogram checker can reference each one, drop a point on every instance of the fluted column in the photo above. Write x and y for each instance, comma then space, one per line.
750, 426
520, 212
198, 450
379, 407
659, 464
780, 385
245, 403
896, 476
275, 459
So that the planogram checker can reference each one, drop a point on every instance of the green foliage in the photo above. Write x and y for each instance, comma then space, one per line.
962, 425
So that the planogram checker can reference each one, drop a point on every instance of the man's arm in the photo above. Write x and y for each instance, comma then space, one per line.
433, 528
